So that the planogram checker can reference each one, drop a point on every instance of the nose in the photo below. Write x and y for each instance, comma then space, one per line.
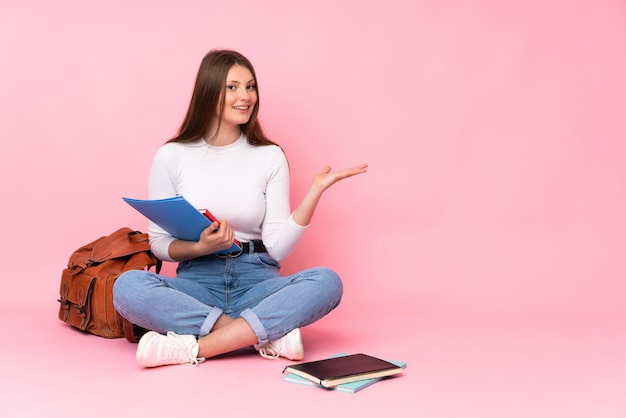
243, 94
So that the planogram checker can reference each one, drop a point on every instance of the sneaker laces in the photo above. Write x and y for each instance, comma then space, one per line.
269, 351
180, 349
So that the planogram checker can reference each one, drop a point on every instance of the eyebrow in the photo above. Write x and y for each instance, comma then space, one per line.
237, 82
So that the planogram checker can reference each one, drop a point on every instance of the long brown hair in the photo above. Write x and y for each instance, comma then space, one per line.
208, 96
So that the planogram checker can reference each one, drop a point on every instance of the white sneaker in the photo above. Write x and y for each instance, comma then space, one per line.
156, 349
289, 346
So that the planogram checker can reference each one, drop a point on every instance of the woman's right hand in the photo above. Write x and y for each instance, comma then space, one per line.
216, 237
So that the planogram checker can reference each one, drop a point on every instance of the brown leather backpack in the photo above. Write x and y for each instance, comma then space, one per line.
87, 282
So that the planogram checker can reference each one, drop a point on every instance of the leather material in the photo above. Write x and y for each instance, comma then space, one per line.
86, 291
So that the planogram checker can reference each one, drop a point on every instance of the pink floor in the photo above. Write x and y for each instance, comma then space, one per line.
458, 366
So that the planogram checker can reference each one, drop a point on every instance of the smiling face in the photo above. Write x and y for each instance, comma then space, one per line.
240, 97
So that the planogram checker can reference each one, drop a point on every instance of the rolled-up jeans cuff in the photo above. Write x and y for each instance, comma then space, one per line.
209, 321
256, 326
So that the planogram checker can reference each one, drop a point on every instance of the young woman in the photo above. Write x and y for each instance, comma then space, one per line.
221, 160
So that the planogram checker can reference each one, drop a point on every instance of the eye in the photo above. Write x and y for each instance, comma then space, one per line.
231, 87
251, 87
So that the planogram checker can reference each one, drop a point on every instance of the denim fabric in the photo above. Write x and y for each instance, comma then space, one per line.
248, 286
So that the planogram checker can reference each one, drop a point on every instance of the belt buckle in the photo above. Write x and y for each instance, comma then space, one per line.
231, 255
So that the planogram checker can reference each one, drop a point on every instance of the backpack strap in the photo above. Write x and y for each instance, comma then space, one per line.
121, 243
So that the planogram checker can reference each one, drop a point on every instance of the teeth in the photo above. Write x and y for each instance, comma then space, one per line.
242, 107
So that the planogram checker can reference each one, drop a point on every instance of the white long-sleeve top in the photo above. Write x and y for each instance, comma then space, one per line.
247, 186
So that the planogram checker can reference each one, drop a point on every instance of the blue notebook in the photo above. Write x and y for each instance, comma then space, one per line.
351, 387
177, 216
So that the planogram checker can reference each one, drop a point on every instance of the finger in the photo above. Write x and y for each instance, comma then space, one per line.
225, 228
359, 168
212, 228
325, 170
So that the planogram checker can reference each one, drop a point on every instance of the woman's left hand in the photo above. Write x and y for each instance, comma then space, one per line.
322, 181
326, 178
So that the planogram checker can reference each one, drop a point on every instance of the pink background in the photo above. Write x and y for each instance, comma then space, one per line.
485, 246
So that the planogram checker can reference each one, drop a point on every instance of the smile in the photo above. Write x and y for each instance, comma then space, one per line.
241, 107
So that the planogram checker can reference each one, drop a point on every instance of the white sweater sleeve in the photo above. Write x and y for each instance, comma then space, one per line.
160, 186
280, 232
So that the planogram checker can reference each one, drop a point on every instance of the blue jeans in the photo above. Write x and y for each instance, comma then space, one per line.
248, 286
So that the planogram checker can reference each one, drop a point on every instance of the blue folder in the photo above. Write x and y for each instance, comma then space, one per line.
177, 216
